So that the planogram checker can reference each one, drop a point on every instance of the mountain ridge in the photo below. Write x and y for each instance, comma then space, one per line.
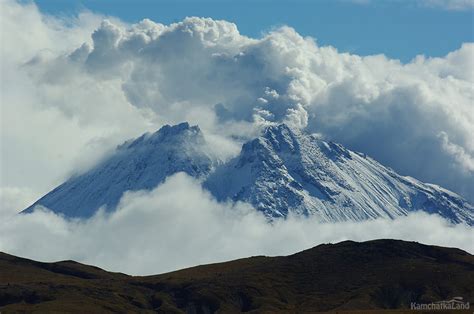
283, 171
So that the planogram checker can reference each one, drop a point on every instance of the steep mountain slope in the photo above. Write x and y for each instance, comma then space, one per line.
285, 171
140, 164
348, 276
282, 172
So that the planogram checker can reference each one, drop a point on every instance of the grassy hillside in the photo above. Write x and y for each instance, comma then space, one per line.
348, 276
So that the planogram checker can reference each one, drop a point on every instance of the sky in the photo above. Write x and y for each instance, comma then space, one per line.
399, 29
78, 80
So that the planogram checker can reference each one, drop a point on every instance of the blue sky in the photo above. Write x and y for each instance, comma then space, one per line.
398, 28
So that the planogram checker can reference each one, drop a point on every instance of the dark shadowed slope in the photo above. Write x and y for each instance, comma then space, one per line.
381, 274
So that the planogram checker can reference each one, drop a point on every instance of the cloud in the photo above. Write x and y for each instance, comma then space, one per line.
14, 198
75, 87
179, 224
464, 159
55, 120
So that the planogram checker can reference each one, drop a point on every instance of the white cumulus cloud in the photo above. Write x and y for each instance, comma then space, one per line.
88, 83
463, 158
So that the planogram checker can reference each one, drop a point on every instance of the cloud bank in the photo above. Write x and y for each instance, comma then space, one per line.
178, 225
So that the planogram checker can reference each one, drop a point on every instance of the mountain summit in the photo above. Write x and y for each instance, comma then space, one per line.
283, 172
140, 164
286, 171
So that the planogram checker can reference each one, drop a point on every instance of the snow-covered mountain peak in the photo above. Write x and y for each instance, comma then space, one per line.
282, 138
178, 134
282, 172
278, 138
139, 164
285, 139
286, 171
182, 130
